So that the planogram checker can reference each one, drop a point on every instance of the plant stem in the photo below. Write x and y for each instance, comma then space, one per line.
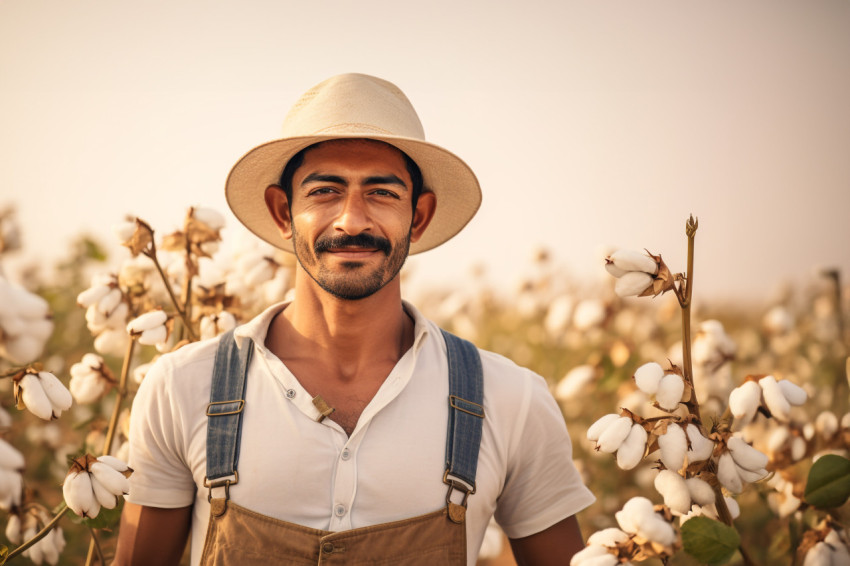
40, 535
119, 398
151, 253
684, 294
94, 545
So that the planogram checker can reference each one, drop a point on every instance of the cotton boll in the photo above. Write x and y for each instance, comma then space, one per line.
795, 394
634, 512
798, 449
752, 476
744, 401
574, 381
605, 560
632, 284
614, 435
609, 537
631, 450
745, 455
597, 428
147, 321
819, 555
674, 446
727, 473
777, 439
826, 424
153, 336
648, 376
701, 492
701, 447
675, 491
630, 260
774, 398
670, 391
658, 530
589, 552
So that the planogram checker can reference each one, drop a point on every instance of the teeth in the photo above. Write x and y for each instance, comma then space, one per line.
674, 446
631, 450
648, 376
670, 391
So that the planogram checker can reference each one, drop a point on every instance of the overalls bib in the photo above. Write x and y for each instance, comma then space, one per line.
238, 536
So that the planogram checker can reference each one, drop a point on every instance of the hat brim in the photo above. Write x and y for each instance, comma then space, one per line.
445, 174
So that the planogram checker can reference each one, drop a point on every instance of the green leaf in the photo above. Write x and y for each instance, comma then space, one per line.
828, 485
710, 542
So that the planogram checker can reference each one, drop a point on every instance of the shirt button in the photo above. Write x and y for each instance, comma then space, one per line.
328, 548
346, 454
339, 510
290, 393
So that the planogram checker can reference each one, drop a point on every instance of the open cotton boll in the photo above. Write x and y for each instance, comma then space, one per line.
632, 284
614, 435
589, 552
701, 447
212, 218
752, 476
658, 530
631, 450
153, 336
670, 391
819, 555
777, 438
744, 401
10, 457
727, 473
745, 455
604, 560
774, 398
79, 494
634, 512
795, 394
674, 490
610, 537
826, 424
630, 260
673, 446
648, 376
701, 492
147, 321
597, 428
573, 382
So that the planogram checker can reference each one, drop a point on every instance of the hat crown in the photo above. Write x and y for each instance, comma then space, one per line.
353, 104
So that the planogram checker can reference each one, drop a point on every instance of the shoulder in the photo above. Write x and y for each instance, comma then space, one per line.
182, 372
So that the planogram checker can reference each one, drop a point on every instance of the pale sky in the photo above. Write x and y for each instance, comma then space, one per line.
589, 123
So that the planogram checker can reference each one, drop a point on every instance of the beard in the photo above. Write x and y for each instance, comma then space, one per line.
352, 280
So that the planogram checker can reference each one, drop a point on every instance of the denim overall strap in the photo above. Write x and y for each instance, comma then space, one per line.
466, 414
227, 400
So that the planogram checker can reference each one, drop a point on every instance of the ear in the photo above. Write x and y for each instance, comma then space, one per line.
278, 206
425, 207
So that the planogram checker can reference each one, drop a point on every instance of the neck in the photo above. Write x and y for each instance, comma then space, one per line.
347, 334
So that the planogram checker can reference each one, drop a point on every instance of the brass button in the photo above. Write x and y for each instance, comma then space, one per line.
328, 548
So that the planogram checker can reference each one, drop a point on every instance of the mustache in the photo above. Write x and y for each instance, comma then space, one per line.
362, 240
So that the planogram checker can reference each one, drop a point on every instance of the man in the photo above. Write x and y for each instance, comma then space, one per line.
354, 441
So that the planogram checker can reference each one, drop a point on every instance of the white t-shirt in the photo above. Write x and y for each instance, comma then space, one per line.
299, 470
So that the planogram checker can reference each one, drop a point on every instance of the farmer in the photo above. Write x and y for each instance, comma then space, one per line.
344, 427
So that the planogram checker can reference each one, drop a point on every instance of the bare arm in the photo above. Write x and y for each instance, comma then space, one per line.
151, 535
551, 547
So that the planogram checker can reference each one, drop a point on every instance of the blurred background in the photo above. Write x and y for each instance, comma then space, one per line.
591, 125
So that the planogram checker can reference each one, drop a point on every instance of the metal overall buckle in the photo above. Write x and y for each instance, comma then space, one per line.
222, 482
457, 511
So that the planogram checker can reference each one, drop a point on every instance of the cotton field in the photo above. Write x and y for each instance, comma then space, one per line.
709, 433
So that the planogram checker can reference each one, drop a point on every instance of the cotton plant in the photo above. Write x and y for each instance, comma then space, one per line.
702, 464
25, 323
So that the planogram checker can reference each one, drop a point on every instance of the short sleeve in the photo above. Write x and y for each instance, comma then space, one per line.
161, 476
542, 486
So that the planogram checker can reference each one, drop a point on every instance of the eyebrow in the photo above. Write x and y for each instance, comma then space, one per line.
336, 179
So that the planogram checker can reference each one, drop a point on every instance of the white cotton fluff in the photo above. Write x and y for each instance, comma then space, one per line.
574, 381
631, 450
673, 446
798, 448
701, 492
614, 435
212, 218
632, 284
147, 321
587, 553
744, 401
701, 447
674, 490
795, 394
819, 555
79, 495
658, 530
752, 476
598, 427
826, 424
670, 391
777, 438
648, 376
630, 260
727, 473
153, 336
634, 513
774, 398
610, 537
745, 455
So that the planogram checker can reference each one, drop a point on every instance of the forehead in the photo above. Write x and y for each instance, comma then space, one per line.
352, 152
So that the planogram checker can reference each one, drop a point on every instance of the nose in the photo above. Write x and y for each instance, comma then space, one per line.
354, 217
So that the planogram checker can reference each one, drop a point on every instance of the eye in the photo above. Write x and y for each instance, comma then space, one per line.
385, 193
321, 191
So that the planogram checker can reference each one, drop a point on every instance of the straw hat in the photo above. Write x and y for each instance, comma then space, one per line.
354, 106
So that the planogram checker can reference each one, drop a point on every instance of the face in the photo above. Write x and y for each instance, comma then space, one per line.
352, 219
